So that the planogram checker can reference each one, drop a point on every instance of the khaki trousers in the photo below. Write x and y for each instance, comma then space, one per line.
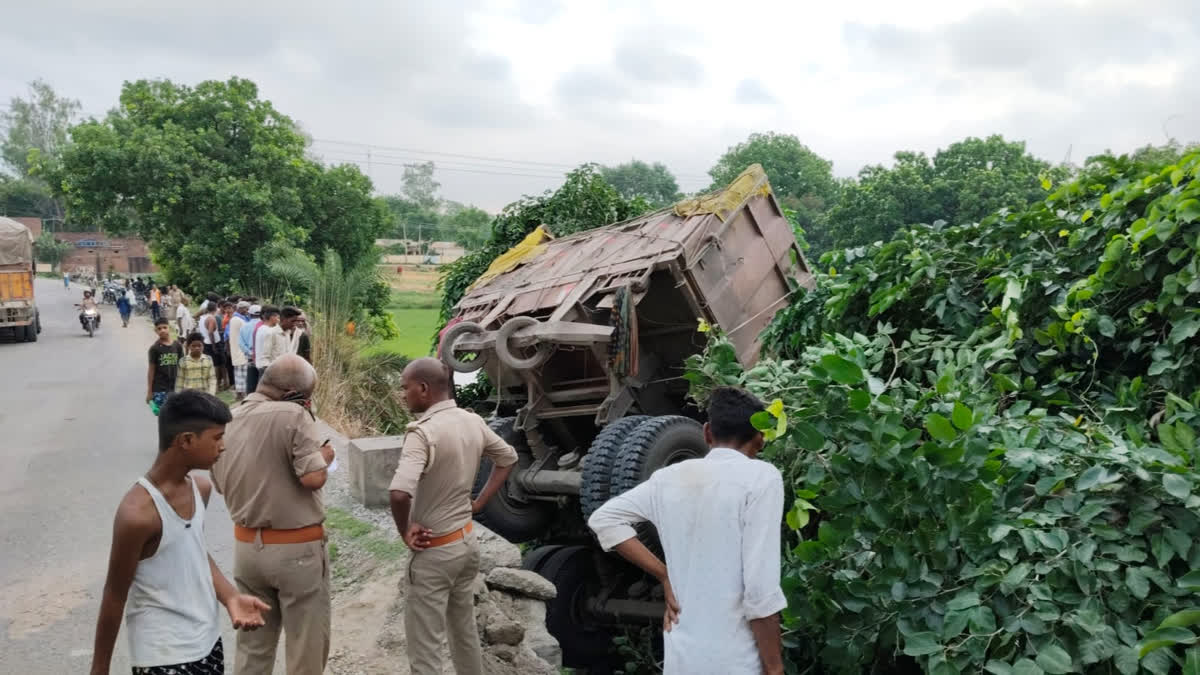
441, 608
294, 580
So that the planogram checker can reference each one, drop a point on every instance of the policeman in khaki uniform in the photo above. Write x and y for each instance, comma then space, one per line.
431, 502
271, 475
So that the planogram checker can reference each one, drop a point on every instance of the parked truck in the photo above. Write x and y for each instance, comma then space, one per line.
584, 338
18, 311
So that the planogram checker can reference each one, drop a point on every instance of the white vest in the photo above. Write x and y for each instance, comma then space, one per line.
171, 613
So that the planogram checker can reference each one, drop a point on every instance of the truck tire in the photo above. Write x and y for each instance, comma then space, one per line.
506, 355
655, 443
573, 573
536, 559
31, 332
446, 347
504, 514
598, 462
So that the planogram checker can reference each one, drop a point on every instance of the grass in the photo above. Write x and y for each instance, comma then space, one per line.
416, 315
417, 327
347, 533
414, 300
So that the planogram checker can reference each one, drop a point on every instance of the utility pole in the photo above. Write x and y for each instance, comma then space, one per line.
369, 163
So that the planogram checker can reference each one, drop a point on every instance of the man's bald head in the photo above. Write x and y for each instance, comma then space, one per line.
425, 382
289, 373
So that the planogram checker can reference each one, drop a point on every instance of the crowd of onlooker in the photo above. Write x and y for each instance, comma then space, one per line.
226, 344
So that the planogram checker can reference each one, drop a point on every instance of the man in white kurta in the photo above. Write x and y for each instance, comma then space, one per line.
718, 519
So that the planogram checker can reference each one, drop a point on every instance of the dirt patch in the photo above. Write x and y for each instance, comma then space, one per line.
413, 278
37, 603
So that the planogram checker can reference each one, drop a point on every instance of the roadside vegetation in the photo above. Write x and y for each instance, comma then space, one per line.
989, 429
986, 410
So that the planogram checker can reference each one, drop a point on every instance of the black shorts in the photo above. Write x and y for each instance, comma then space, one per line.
213, 664
217, 352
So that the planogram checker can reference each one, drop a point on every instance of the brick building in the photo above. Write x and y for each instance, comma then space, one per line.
99, 253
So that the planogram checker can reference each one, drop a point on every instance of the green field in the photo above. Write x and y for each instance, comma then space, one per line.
416, 315
416, 333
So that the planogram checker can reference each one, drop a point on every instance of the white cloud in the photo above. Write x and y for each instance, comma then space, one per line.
676, 81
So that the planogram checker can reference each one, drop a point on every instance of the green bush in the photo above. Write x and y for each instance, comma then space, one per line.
989, 431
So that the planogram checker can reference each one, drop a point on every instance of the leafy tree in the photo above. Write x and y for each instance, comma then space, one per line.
801, 179
209, 175
651, 182
584, 201
961, 183
27, 197
419, 185
38, 123
411, 220
988, 431
49, 250
468, 226
35, 128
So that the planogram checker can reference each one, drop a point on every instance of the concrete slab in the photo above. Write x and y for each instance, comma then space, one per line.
371, 463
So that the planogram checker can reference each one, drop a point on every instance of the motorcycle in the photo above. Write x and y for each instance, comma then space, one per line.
111, 293
90, 320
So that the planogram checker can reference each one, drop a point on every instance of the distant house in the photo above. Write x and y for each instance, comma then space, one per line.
98, 253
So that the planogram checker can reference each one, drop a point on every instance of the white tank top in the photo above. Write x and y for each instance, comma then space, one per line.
171, 613
213, 336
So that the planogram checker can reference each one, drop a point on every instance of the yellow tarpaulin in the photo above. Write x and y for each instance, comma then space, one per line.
531, 246
726, 201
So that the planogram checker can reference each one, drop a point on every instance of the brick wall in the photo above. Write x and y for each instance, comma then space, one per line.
123, 255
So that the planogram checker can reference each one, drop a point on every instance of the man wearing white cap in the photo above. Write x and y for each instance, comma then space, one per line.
246, 342
237, 357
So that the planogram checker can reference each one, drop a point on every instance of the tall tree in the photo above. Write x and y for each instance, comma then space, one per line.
419, 185
35, 128
635, 178
801, 179
209, 175
27, 197
468, 226
38, 123
961, 183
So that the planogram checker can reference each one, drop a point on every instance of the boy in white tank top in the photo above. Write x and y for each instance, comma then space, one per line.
159, 573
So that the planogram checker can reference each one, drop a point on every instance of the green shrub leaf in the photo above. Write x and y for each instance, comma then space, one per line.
1054, 660
939, 427
841, 370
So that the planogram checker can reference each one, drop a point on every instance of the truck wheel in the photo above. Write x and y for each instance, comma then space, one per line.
598, 462
447, 347
657, 442
573, 573
31, 333
506, 355
536, 559
37, 320
504, 514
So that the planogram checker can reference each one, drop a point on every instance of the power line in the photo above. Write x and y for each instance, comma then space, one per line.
464, 167
363, 162
376, 158
426, 156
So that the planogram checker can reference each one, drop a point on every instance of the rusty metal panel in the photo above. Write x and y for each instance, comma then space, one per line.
737, 261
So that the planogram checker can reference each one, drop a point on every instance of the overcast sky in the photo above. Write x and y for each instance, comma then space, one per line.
545, 85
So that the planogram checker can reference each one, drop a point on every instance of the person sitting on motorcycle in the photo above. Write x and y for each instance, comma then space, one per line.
89, 302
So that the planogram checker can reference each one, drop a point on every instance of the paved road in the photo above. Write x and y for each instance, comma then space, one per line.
75, 435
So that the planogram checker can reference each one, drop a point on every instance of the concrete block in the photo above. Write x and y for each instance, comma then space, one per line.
371, 463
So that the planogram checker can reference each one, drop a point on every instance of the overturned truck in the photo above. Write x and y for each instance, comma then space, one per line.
584, 337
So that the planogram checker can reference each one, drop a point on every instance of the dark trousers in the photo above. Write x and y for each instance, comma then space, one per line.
251, 378
154, 311
228, 361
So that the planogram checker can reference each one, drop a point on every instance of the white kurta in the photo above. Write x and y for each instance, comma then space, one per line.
719, 521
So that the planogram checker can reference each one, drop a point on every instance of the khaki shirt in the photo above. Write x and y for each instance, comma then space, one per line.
438, 463
268, 445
